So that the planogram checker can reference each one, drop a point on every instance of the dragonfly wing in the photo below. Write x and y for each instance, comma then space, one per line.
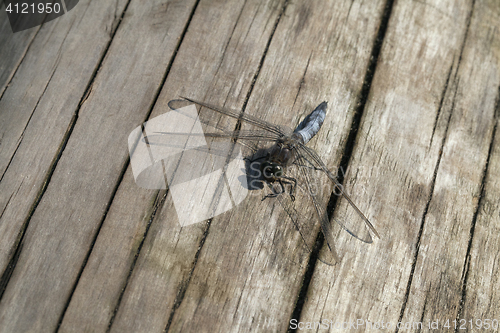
218, 148
310, 192
358, 225
303, 224
279, 131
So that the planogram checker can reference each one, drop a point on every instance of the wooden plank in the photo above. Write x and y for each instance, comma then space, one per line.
480, 91
421, 57
222, 62
418, 174
14, 46
221, 67
436, 288
63, 226
38, 107
32, 76
481, 293
251, 264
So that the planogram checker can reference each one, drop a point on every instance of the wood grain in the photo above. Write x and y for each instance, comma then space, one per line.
167, 256
413, 91
444, 121
13, 49
64, 224
38, 108
479, 78
250, 268
449, 222
223, 72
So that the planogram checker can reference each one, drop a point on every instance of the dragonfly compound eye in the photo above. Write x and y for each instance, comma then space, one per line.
278, 171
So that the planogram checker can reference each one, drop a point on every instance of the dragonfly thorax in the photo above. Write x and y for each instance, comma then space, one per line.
278, 157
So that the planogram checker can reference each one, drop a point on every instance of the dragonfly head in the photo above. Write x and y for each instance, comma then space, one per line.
271, 170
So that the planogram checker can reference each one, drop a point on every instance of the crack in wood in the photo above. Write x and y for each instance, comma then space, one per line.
424, 215
28, 122
302, 80
433, 181
161, 197
125, 167
181, 292
465, 271
443, 94
18, 244
185, 284
347, 152
5, 278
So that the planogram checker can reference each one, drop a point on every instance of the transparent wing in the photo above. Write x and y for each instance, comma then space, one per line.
190, 130
357, 227
176, 148
182, 145
278, 131
310, 192
303, 225
241, 134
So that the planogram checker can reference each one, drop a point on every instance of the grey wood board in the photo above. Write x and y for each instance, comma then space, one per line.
102, 254
217, 69
12, 49
38, 108
63, 226
470, 101
442, 102
250, 268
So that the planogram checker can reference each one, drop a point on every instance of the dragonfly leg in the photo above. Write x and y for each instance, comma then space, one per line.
293, 186
274, 194
283, 181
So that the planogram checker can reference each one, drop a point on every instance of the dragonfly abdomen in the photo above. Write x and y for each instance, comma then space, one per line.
311, 124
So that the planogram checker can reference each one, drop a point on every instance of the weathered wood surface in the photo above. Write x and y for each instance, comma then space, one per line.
83, 248
438, 96
12, 52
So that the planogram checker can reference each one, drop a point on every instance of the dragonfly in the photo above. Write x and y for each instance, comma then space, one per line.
287, 167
